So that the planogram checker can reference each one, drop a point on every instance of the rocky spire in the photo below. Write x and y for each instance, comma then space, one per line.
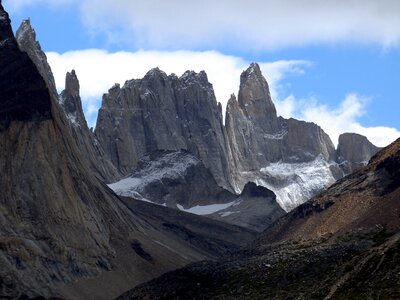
26, 39
5, 26
18, 71
255, 98
94, 156
72, 84
257, 139
70, 100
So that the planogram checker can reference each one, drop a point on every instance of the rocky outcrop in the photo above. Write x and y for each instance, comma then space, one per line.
354, 152
70, 103
257, 136
255, 208
60, 226
95, 157
44, 184
161, 112
26, 39
179, 180
19, 82
260, 141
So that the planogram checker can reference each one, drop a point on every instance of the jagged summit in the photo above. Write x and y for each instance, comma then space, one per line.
70, 100
161, 112
5, 25
254, 96
155, 72
72, 83
26, 39
18, 71
194, 77
295, 159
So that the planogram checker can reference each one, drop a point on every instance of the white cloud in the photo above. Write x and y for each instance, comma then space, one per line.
337, 120
250, 24
98, 70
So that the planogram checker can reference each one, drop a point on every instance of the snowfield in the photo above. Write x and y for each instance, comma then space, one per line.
206, 209
295, 183
167, 167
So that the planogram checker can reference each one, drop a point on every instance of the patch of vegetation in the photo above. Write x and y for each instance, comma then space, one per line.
381, 236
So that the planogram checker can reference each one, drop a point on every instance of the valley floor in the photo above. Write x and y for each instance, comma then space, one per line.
359, 265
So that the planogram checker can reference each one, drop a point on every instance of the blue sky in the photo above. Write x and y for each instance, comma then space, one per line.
335, 63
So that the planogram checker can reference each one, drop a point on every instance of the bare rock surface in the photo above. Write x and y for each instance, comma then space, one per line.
354, 151
161, 112
259, 140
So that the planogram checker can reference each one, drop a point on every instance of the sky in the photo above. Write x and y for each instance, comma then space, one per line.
335, 62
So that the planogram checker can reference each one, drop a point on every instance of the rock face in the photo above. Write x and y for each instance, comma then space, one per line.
260, 141
15, 71
179, 180
354, 152
71, 104
294, 159
60, 226
255, 208
161, 112
26, 39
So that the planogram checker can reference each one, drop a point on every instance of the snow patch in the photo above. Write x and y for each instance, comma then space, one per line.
206, 209
169, 166
71, 116
126, 187
227, 213
295, 183
277, 136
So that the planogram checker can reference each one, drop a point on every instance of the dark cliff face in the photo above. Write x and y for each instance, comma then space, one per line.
95, 158
161, 112
48, 198
23, 93
354, 152
26, 39
69, 102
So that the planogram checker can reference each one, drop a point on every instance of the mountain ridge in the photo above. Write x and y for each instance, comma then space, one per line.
161, 112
